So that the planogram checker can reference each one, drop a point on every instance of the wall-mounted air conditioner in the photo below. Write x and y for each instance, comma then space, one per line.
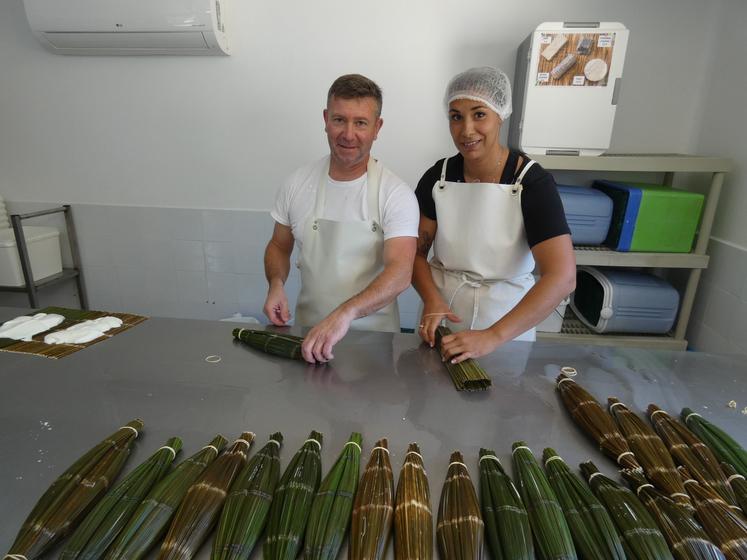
130, 27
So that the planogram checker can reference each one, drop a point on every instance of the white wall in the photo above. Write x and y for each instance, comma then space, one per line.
719, 321
221, 132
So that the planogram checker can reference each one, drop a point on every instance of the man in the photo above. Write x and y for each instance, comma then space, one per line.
356, 226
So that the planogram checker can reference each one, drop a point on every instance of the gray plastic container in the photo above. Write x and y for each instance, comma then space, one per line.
624, 301
588, 213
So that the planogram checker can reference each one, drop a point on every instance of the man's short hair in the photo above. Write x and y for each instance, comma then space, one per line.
355, 86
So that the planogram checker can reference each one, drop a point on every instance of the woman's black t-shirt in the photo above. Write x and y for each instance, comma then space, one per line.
544, 217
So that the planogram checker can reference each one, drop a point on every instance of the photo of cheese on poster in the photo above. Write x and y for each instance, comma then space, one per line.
575, 59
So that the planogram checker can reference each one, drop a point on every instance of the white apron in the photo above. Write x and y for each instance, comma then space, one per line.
482, 264
340, 259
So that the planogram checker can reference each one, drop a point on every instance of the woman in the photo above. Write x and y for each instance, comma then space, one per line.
491, 213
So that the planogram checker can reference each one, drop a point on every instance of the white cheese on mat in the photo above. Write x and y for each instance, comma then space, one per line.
25, 326
83, 332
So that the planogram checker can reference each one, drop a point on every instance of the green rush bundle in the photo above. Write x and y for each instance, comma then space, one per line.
102, 525
589, 415
641, 537
330, 512
651, 452
460, 530
592, 528
467, 375
688, 451
373, 509
201, 507
69, 497
248, 503
283, 345
291, 504
726, 526
551, 533
687, 540
413, 520
506, 521
152, 517
738, 484
722, 444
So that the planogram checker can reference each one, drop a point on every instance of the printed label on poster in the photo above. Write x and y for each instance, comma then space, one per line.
574, 59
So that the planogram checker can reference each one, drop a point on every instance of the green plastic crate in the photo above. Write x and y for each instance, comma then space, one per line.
666, 219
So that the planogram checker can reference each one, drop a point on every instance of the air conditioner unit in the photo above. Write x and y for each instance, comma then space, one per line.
130, 27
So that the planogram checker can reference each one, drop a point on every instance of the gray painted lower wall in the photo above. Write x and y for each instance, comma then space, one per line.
171, 262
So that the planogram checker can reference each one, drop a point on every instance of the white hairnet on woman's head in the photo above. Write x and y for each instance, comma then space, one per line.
486, 84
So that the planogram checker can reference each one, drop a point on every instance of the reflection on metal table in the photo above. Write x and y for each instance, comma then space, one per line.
379, 384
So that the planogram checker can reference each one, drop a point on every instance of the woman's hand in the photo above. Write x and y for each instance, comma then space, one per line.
433, 314
460, 346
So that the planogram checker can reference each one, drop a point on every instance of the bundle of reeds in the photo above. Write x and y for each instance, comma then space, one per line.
413, 520
248, 503
460, 529
467, 375
738, 484
651, 452
104, 522
506, 520
373, 509
688, 451
687, 540
727, 527
592, 529
291, 504
726, 449
201, 507
330, 512
551, 533
75, 491
151, 519
641, 537
283, 345
592, 419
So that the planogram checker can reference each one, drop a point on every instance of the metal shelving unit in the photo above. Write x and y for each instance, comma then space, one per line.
31, 287
696, 261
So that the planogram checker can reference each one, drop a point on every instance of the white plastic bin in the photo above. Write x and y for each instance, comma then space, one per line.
625, 301
43, 245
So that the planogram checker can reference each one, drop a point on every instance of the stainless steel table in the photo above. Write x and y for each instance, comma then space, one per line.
379, 384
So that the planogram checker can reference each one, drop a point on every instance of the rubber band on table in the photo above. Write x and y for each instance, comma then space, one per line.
213, 359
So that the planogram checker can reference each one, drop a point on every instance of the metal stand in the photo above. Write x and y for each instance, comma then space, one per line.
31, 288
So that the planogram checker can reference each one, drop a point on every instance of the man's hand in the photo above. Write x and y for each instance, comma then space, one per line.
433, 314
318, 344
460, 346
276, 306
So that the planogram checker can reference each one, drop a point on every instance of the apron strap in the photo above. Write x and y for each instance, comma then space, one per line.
373, 184
523, 172
321, 191
442, 181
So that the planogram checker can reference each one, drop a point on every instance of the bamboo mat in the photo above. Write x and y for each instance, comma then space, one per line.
72, 316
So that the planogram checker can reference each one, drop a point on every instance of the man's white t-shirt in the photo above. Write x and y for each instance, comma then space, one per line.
345, 201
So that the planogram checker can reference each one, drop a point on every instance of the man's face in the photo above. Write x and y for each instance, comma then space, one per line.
351, 125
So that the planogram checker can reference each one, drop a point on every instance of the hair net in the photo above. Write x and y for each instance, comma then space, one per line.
486, 84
